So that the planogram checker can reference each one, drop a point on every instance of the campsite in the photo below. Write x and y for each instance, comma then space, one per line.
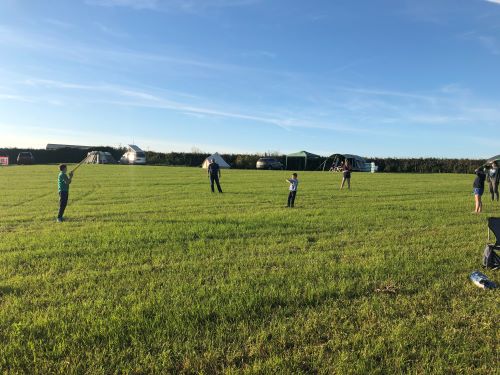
249, 187
152, 274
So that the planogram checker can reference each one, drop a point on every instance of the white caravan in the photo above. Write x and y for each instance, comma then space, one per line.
134, 155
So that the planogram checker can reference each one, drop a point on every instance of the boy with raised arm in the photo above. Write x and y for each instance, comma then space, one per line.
63, 182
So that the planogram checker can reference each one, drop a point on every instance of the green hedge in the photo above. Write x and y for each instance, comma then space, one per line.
245, 161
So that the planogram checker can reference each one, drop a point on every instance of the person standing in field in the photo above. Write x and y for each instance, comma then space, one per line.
346, 171
63, 182
478, 189
214, 175
493, 178
294, 182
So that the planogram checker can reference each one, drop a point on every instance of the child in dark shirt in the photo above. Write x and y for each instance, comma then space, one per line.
478, 189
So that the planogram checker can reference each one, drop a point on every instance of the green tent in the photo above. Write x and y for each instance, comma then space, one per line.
304, 155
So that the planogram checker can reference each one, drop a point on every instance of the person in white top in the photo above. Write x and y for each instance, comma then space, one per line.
294, 182
493, 178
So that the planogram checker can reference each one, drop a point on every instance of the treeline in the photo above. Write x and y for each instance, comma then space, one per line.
245, 161
63, 155
427, 165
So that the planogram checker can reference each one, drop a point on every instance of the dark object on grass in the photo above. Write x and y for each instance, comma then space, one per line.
480, 280
490, 257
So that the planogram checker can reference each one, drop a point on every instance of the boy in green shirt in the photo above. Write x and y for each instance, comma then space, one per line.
63, 182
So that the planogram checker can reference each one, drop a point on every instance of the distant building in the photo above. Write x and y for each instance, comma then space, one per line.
51, 146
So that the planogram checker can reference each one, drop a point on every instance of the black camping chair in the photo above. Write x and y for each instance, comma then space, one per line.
494, 226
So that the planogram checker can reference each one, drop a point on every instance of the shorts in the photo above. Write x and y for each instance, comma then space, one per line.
478, 191
347, 174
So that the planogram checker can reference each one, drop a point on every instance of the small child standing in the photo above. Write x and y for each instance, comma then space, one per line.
63, 182
294, 182
478, 189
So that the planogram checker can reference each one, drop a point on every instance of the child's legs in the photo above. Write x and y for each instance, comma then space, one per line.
477, 199
342, 184
495, 189
293, 194
349, 183
492, 190
63, 202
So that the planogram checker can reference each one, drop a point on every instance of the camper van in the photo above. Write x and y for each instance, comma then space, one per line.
134, 155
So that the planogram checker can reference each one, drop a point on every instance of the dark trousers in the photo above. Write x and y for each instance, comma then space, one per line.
215, 178
63, 202
291, 198
493, 190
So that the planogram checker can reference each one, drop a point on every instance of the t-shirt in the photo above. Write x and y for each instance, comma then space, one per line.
479, 180
213, 169
493, 175
63, 182
293, 184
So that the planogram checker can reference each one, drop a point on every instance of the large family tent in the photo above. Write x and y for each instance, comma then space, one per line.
99, 157
357, 163
301, 156
218, 159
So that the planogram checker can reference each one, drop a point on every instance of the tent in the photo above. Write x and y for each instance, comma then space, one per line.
494, 158
99, 157
218, 159
303, 155
356, 162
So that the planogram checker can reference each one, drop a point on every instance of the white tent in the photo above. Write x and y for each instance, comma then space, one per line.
99, 157
218, 159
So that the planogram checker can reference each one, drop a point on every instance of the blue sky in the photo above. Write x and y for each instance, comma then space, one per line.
376, 78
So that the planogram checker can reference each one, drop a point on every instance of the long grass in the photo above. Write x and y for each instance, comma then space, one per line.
152, 273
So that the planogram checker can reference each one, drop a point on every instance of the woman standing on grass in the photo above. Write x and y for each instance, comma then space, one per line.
478, 189
346, 171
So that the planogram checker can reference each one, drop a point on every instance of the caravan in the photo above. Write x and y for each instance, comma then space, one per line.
134, 155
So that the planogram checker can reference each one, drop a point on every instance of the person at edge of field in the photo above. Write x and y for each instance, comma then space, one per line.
493, 178
214, 175
63, 182
346, 171
294, 182
478, 189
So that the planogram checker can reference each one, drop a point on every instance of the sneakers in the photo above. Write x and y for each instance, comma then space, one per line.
59, 220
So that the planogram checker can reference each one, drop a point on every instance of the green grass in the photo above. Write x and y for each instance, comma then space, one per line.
152, 273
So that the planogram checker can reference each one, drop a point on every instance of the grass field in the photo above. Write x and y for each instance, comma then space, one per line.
152, 273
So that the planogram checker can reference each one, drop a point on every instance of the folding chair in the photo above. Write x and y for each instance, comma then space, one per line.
494, 227
490, 258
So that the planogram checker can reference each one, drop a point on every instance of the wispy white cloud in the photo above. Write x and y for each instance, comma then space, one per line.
59, 23
258, 54
132, 97
166, 5
490, 43
493, 1
135, 4
110, 31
